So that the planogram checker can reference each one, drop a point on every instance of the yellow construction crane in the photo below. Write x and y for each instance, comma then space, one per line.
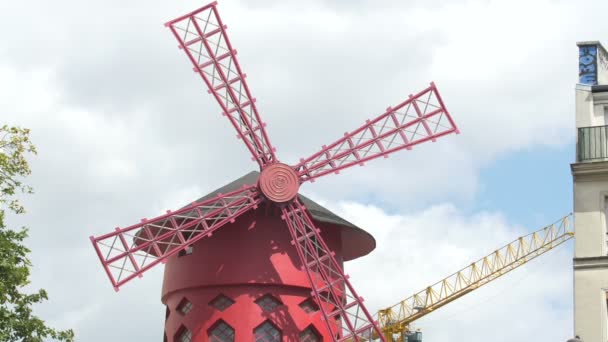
396, 319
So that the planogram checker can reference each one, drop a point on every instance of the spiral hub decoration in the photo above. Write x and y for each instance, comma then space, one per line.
279, 183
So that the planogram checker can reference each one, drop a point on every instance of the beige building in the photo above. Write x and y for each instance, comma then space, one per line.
590, 175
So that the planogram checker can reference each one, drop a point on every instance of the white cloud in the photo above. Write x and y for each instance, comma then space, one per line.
125, 130
321, 69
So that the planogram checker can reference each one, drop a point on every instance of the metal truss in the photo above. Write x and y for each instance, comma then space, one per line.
342, 309
128, 252
397, 318
422, 117
203, 38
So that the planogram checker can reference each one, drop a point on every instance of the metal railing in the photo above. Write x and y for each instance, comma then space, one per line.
592, 144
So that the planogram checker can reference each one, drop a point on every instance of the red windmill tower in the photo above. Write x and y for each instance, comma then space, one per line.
274, 270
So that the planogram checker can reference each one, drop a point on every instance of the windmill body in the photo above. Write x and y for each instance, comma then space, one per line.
249, 275
256, 260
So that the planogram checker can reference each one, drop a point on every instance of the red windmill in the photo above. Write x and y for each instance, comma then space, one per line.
248, 282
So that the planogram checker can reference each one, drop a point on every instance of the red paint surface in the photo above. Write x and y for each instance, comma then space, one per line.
244, 261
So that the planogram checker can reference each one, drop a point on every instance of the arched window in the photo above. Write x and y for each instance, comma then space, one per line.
310, 334
183, 335
221, 302
309, 306
268, 302
221, 332
267, 332
184, 306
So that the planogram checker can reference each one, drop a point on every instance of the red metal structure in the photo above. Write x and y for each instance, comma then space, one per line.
274, 269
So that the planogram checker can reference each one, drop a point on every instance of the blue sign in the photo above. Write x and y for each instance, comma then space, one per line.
587, 64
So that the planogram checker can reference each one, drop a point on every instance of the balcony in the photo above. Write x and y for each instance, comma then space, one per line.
592, 144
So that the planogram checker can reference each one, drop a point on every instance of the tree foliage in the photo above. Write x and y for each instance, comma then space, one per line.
17, 323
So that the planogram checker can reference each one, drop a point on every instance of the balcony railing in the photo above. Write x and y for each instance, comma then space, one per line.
592, 144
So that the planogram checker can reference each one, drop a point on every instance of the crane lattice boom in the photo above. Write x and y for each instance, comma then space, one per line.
396, 319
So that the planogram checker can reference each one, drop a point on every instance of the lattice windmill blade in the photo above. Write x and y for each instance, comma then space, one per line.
343, 310
202, 36
128, 252
421, 118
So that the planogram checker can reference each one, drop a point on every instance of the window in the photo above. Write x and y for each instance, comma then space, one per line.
310, 334
221, 332
167, 312
267, 332
221, 302
414, 336
268, 303
183, 335
309, 306
184, 306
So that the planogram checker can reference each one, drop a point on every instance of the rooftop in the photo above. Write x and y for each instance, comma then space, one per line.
356, 241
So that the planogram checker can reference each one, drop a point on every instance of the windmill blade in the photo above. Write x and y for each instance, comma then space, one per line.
342, 309
421, 118
128, 252
203, 38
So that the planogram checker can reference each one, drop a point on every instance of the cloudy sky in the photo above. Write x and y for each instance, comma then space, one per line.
126, 130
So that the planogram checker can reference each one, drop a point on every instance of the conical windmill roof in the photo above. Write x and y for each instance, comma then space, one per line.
356, 242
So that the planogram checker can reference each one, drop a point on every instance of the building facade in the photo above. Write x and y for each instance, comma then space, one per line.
590, 177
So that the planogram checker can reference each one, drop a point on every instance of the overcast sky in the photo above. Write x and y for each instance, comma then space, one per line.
126, 130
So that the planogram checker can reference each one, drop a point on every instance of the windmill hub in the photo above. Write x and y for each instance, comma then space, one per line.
279, 182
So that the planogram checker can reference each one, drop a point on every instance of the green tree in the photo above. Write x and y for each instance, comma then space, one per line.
17, 323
